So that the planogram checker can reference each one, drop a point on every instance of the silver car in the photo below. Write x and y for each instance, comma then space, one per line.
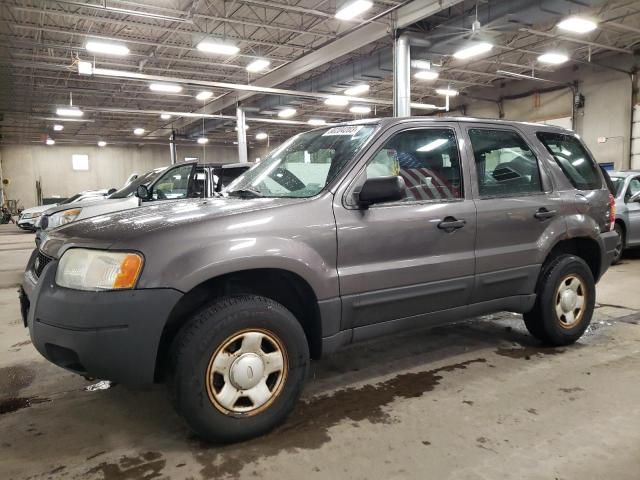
627, 193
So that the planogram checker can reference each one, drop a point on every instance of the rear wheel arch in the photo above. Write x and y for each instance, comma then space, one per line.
623, 225
283, 286
584, 247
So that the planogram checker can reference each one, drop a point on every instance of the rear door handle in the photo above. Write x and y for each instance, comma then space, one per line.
543, 213
449, 224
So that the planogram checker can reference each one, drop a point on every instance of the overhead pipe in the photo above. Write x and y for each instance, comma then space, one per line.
402, 72
242, 135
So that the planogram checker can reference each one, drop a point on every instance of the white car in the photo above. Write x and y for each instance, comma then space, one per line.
29, 218
184, 180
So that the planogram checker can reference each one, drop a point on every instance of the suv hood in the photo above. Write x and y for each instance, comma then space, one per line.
105, 230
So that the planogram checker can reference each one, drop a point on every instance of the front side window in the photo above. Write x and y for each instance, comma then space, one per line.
505, 164
634, 188
174, 184
427, 160
573, 159
303, 165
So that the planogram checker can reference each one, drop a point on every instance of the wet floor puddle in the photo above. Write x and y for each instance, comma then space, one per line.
307, 427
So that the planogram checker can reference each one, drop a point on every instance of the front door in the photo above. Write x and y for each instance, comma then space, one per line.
633, 210
516, 208
404, 259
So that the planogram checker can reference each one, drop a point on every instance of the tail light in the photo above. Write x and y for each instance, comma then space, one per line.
611, 212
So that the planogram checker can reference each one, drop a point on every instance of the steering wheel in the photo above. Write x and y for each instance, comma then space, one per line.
287, 179
161, 195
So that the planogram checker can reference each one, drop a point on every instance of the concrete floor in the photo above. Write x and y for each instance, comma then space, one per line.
476, 400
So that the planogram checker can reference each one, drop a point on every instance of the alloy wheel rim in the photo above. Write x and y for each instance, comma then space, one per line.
247, 372
571, 301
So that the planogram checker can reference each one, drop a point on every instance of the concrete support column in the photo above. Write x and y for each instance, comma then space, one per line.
402, 77
242, 135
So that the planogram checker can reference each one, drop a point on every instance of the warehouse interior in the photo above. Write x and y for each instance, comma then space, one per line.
96, 92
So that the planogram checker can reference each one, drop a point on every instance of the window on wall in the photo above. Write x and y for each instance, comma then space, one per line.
505, 165
427, 160
80, 162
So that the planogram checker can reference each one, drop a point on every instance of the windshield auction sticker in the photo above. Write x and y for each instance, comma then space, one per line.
346, 131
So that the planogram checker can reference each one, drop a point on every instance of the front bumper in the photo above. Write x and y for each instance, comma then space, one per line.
27, 224
608, 242
111, 335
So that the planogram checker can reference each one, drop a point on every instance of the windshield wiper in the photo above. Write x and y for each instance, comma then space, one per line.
246, 193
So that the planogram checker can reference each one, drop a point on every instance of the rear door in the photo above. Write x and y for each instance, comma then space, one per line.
517, 208
398, 260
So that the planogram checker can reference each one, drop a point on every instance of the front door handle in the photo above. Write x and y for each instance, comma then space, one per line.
543, 213
449, 224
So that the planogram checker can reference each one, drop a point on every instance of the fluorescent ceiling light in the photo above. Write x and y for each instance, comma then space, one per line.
357, 90
553, 58
204, 95
287, 112
85, 68
165, 116
246, 127
211, 46
58, 128
50, 141
577, 25
69, 112
353, 9
421, 64
138, 131
316, 121
433, 145
203, 140
447, 92
102, 143
337, 101
426, 75
261, 136
165, 87
258, 65
106, 48
360, 109
473, 50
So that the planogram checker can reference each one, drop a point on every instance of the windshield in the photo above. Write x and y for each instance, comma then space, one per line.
618, 183
303, 165
130, 189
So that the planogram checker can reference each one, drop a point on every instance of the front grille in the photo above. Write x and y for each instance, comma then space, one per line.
40, 262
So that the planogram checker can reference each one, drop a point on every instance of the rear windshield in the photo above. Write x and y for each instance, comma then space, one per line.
574, 160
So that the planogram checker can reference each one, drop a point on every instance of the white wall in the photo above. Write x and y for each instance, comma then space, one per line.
108, 167
607, 111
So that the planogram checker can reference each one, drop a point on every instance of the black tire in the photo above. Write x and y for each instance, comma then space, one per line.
621, 245
542, 321
192, 352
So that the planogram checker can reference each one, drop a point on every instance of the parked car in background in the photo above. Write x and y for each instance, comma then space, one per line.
29, 218
340, 234
184, 180
627, 193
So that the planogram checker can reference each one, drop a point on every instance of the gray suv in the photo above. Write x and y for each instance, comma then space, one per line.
339, 235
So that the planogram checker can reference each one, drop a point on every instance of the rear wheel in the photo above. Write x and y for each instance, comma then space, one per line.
620, 245
238, 368
565, 301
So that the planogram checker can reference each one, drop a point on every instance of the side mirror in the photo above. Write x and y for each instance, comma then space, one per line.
111, 191
381, 189
143, 192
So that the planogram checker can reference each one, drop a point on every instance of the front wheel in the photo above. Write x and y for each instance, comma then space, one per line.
565, 301
238, 368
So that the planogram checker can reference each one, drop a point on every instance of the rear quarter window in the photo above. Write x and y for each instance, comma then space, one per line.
573, 159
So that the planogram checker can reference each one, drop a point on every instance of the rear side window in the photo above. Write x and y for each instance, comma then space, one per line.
505, 164
573, 158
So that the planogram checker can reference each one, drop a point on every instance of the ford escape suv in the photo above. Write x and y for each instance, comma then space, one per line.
339, 235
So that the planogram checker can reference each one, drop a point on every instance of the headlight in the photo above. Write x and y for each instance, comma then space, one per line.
95, 270
63, 217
